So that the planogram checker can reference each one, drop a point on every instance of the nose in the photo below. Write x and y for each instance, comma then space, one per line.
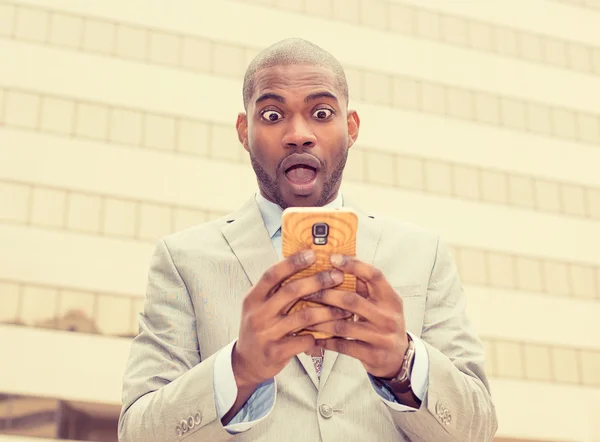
299, 134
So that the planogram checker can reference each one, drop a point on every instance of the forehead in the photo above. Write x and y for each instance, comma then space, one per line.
292, 79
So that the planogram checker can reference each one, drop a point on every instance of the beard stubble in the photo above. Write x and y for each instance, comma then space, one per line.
271, 186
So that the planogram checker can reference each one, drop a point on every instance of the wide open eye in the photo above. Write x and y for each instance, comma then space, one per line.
271, 115
322, 113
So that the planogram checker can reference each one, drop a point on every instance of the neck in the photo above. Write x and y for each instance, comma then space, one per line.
266, 196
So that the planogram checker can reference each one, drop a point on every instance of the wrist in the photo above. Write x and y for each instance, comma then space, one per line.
403, 362
401, 379
240, 372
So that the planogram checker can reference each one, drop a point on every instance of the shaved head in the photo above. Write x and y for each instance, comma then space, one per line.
293, 51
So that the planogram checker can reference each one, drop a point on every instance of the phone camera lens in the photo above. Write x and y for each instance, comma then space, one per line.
320, 230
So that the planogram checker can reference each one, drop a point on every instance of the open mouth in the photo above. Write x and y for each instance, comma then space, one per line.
301, 169
301, 174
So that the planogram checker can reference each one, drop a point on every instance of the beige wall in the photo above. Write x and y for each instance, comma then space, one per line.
479, 120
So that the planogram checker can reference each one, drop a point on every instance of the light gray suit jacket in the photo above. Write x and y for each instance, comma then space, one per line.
197, 281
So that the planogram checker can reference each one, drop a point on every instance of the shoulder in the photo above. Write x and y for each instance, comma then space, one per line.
405, 251
200, 236
398, 230
407, 228
408, 253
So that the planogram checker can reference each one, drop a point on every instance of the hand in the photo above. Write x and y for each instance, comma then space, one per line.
378, 339
266, 344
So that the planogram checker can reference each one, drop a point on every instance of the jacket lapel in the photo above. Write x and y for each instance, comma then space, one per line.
249, 240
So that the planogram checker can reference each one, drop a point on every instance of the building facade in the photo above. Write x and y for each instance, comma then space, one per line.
480, 120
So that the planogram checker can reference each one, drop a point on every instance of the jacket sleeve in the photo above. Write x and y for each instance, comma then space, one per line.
457, 405
168, 391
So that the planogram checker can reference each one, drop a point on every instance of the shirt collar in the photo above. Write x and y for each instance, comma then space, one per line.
271, 213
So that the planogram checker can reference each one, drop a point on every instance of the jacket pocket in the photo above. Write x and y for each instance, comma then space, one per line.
407, 290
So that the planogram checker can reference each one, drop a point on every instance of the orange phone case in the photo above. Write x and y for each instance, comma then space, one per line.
297, 234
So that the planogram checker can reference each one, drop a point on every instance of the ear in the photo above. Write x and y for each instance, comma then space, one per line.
353, 127
241, 125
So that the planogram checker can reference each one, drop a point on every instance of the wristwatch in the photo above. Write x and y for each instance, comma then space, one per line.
400, 383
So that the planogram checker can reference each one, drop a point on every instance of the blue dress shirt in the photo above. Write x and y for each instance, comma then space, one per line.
263, 399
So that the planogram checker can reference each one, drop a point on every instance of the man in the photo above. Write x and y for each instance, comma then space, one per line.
216, 359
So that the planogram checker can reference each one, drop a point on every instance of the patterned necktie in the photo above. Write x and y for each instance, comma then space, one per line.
318, 362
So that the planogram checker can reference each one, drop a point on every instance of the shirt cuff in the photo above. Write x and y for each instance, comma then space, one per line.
258, 406
419, 378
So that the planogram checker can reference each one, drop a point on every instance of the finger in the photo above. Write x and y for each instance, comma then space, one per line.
358, 268
361, 288
349, 301
360, 331
289, 346
300, 288
307, 317
374, 278
356, 349
276, 274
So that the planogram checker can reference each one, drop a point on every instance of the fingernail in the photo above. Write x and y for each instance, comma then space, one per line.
309, 256
337, 259
337, 276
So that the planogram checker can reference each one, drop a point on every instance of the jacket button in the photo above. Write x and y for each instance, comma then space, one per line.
184, 426
197, 418
190, 422
326, 411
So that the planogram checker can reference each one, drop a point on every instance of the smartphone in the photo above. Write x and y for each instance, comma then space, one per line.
327, 232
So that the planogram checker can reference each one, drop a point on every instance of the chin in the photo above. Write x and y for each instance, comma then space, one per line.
301, 200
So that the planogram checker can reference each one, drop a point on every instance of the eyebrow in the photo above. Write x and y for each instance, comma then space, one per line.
270, 96
319, 95
279, 98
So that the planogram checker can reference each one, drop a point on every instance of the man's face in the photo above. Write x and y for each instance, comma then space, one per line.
297, 132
